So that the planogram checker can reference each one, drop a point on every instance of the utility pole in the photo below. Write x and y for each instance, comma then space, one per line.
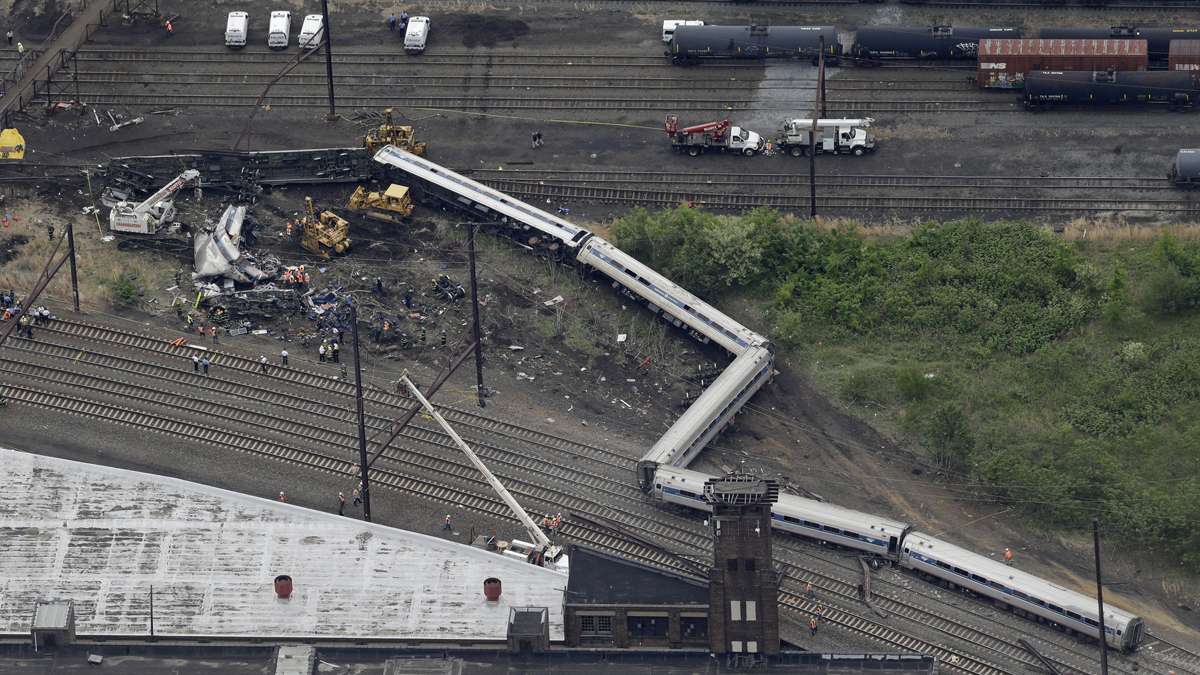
328, 61
363, 465
818, 112
478, 335
1100, 598
74, 274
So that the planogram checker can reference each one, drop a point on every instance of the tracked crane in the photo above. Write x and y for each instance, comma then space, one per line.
148, 216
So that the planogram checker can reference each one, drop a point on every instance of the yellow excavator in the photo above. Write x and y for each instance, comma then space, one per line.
389, 133
325, 233
391, 206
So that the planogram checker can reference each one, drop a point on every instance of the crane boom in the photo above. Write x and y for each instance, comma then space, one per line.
167, 190
534, 531
147, 216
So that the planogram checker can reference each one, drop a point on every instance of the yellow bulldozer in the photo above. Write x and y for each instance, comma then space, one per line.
391, 206
389, 133
325, 233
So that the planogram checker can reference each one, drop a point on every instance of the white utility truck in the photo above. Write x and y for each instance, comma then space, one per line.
836, 136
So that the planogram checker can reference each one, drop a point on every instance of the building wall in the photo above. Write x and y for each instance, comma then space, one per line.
583, 620
743, 584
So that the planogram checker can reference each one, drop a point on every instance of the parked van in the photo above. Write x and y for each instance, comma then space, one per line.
670, 25
416, 35
236, 28
311, 31
281, 30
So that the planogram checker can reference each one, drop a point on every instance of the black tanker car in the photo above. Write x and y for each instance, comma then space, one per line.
1093, 88
936, 42
694, 43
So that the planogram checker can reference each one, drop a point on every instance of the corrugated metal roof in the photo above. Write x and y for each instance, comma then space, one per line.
1185, 47
101, 537
1049, 47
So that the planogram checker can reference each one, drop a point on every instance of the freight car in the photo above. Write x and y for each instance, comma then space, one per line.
936, 42
1085, 87
1185, 170
1003, 63
694, 43
1158, 40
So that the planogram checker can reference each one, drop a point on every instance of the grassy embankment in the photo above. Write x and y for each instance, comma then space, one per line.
1059, 374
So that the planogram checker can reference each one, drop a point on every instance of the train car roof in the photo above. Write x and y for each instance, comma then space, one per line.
1187, 162
1010, 576
716, 323
568, 233
804, 508
709, 404
837, 516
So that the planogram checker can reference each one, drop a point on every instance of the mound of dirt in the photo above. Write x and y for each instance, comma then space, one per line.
485, 30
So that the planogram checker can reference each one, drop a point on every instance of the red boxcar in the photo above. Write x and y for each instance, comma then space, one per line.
1004, 63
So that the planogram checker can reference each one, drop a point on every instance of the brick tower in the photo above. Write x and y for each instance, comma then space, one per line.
743, 588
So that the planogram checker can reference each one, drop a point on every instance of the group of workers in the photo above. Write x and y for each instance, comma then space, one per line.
400, 23
551, 524
296, 276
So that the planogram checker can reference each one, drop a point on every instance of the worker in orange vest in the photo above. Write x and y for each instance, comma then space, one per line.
289, 229
812, 626
1008, 556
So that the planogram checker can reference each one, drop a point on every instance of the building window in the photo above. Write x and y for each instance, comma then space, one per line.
749, 564
752, 647
751, 610
693, 628
647, 626
735, 610
735, 646
593, 625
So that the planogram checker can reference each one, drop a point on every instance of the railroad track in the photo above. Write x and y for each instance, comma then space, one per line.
380, 58
1170, 654
634, 178
489, 80
597, 537
565, 192
842, 588
416, 102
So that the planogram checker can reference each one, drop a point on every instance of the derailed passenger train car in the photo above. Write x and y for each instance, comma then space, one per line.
935, 42
1100, 88
695, 43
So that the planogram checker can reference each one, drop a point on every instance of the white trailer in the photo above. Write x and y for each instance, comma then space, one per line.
148, 216
837, 136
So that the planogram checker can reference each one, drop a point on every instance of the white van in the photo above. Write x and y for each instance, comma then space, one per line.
670, 25
416, 35
281, 30
236, 28
311, 31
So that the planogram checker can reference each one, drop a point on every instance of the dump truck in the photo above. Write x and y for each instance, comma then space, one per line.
391, 206
718, 136
323, 233
389, 133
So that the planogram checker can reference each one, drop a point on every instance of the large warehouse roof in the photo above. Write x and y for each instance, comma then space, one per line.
101, 537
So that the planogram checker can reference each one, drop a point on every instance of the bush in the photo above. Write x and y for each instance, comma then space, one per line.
126, 290
912, 384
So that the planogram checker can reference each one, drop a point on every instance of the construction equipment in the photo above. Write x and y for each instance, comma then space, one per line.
12, 144
391, 205
717, 135
323, 233
389, 133
541, 550
148, 216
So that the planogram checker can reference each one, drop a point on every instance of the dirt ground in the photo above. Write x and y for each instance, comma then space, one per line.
571, 370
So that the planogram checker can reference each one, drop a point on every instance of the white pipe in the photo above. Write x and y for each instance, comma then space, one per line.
534, 530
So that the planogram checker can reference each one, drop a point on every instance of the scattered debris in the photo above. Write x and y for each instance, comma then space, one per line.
553, 301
